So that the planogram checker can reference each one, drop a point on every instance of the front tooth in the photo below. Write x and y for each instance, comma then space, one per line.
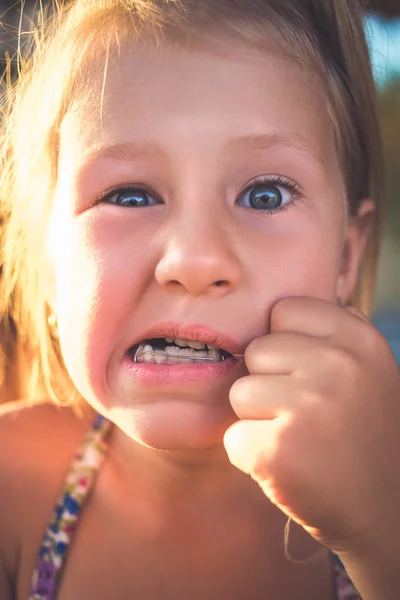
215, 354
170, 340
196, 345
211, 347
180, 343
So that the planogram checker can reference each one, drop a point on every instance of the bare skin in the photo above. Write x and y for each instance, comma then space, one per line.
134, 541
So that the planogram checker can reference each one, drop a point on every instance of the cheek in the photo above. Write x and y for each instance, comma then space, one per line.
314, 268
304, 263
95, 293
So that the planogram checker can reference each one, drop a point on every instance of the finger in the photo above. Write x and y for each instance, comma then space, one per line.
262, 396
247, 443
357, 313
314, 316
284, 353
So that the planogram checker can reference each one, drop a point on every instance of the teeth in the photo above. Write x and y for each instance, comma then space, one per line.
189, 353
172, 355
147, 354
180, 343
196, 345
186, 343
171, 351
173, 360
185, 352
211, 347
214, 354
160, 359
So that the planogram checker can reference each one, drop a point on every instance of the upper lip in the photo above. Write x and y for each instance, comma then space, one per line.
192, 333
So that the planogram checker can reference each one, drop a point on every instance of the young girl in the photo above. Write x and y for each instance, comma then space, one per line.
192, 192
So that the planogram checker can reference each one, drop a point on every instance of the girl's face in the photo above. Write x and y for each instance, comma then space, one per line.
199, 189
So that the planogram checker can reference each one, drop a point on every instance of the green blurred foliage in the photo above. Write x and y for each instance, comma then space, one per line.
389, 106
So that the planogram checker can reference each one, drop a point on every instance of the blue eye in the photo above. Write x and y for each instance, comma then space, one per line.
130, 197
270, 194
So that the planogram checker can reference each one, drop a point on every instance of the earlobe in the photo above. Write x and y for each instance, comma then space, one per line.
358, 231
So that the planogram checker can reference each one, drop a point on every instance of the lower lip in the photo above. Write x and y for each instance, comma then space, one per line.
161, 374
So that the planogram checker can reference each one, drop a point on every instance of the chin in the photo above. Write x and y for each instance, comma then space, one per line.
175, 425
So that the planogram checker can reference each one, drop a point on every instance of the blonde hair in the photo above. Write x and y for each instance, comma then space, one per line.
56, 67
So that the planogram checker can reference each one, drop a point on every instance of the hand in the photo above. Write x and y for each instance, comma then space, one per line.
319, 421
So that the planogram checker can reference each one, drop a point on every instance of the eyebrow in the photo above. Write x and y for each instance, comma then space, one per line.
131, 151
124, 151
259, 142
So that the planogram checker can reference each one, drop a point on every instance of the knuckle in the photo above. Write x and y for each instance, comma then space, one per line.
240, 390
280, 467
339, 361
254, 352
279, 312
280, 450
310, 398
372, 341
342, 369
261, 465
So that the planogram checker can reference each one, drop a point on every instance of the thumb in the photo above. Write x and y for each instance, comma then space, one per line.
247, 445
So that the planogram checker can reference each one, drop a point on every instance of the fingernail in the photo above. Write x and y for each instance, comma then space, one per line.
339, 301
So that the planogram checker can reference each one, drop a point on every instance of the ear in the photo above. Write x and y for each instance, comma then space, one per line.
358, 231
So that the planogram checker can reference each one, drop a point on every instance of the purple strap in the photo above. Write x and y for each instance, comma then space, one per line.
45, 582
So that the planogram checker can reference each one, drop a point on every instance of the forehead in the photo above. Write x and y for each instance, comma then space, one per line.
171, 100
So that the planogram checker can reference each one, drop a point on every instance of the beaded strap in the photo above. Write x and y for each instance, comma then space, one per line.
345, 590
78, 484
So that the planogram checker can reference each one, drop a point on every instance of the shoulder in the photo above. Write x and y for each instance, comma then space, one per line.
22, 416
37, 444
37, 434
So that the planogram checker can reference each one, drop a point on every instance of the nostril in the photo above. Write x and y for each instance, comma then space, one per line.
220, 282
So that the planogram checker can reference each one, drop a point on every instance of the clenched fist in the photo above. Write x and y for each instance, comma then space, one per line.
319, 421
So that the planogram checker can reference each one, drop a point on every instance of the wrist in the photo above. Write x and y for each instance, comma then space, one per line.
374, 566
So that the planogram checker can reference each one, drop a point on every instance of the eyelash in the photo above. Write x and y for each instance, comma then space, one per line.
277, 180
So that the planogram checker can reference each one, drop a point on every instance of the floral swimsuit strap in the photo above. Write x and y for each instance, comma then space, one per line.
345, 589
78, 483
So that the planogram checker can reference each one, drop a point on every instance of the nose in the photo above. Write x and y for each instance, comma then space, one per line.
199, 259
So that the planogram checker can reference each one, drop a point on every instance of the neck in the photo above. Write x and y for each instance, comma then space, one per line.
198, 494
176, 476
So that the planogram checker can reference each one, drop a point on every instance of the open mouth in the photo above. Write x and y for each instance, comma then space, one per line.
176, 351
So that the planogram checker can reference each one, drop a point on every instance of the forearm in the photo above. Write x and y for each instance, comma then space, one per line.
376, 573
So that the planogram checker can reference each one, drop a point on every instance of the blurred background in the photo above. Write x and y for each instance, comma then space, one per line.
382, 24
